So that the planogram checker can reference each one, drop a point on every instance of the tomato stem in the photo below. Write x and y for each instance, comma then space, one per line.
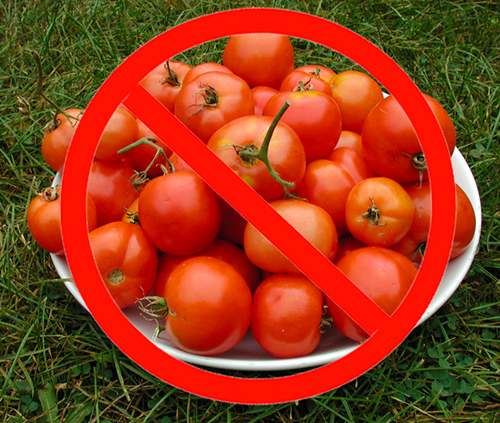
418, 161
210, 97
303, 87
50, 193
156, 307
172, 78
140, 178
251, 153
373, 214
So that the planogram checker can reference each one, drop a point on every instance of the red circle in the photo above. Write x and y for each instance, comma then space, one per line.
387, 333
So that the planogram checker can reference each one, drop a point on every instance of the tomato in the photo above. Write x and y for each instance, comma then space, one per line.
209, 306
379, 211
391, 146
382, 274
310, 220
110, 187
232, 225
347, 243
465, 224
165, 81
326, 74
141, 156
44, 219
131, 213
126, 260
298, 79
327, 184
221, 249
204, 68
356, 94
261, 95
352, 140
286, 153
57, 138
260, 59
352, 161
287, 314
211, 100
120, 131
179, 213
314, 116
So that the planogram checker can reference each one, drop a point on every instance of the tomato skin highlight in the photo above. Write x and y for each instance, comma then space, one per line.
126, 260
286, 315
210, 306
382, 274
179, 213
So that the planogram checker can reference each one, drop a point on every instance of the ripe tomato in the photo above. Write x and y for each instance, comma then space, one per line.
131, 213
382, 274
141, 156
314, 116
298, 79
110, 187
120, 131
165, 81
204, 68
260, 59
44, 219
209, 306
179, 213
232, 225
352, 161
126, 260
347, 243
221, 249
379, 211
286, 153
327, 184
391, 146
465, 223
326, 74
352, 140
261, 95
286, 315
310, 220
356, 94
57, 138
211, 100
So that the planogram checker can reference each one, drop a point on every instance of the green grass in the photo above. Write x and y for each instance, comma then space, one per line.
55, 362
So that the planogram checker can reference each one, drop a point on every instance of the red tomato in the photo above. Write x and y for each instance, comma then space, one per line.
314, 116
347, 243
110, 187
391, 145
356, 94
56, 139
141, 156
310, 220
120, 131
382, 274
126, 260
300, 80
204, 68
211, 100
165, 81
223, 250
352, 161
209, 306
44, 219
352, 140
379, 212
232, 225
326, 74
260, 59
261, 95
327, 184
465, 224
286, 153
131, 213
286, 315
179, 213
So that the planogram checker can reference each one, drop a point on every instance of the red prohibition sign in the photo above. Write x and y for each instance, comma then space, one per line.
387, 332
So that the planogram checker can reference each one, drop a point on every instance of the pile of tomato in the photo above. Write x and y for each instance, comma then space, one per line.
328, 151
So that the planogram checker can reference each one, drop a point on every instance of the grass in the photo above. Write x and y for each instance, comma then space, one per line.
57, 364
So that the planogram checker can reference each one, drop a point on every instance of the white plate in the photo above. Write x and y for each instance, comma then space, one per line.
249, 356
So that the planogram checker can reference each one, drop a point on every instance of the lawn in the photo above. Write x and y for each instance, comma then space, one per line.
57, 365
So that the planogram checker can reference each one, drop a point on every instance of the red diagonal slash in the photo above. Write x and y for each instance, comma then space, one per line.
256, 210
